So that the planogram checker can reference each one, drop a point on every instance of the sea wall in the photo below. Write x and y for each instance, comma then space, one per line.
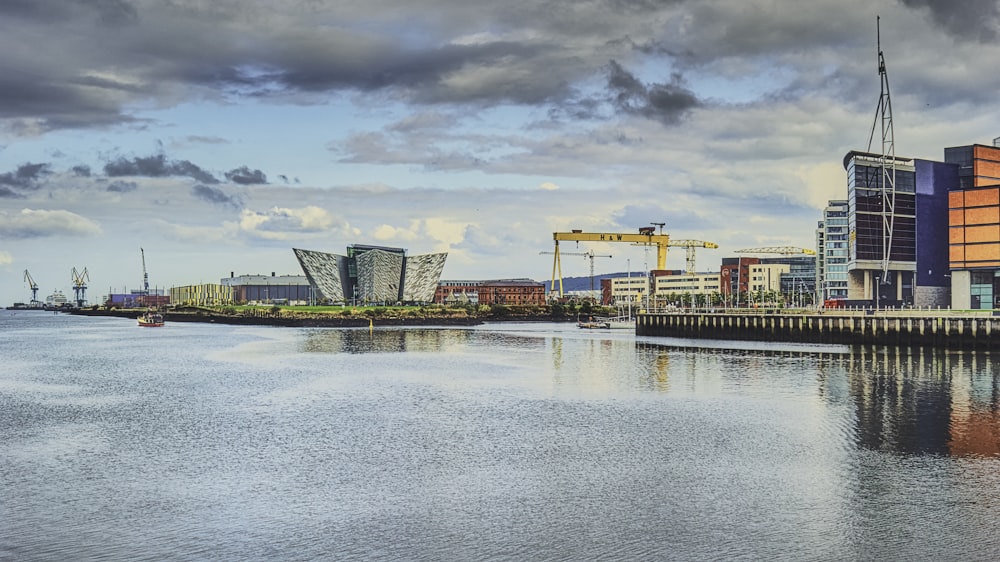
885, 328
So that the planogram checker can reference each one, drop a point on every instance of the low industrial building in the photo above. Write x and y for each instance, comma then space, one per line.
202, 295
270, 289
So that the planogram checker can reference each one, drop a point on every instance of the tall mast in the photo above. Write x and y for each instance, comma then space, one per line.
887, 158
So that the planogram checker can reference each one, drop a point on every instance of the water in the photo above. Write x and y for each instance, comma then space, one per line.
506, 441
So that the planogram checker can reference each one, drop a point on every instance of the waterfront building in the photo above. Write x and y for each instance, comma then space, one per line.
511, 292
831, 252
457, 292
935, 181
372, 274
766, 277
701, 283
270, 289
631, 288
734, 278
798, 280
204, 294
882, 258
974, 227
896, 217
153, 298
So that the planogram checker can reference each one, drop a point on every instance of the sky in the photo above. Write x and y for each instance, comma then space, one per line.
217, 135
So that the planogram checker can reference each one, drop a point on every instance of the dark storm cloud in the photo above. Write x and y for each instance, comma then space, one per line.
119, 186
216, 196
8, 193
968, 19
26, 177
666, 103
81, 170
157, 166
105, 11
245, 176
102, 57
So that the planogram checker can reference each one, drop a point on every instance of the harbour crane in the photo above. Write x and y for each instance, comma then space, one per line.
145, 276
782, 250
34, 287
690, 245
645, 237
80, 280
590, 254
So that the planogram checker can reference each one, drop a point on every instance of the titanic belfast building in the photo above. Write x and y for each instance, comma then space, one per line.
372, 274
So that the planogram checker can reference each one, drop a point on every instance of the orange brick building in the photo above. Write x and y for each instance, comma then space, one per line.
974, 227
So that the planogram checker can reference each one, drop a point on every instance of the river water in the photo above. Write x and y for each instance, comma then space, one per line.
495, 442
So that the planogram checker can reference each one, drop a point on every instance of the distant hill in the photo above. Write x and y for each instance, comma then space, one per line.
583, 283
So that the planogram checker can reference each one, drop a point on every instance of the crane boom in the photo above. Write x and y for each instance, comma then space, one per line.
783, 250
145, 277
32, 285
690, 245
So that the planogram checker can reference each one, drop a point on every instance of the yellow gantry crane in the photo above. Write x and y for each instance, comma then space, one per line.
645, 237
591, 255
782, 250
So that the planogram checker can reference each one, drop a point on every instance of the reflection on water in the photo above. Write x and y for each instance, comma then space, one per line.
913, 401
528, 442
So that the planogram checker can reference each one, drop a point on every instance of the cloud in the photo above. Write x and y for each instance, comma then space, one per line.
216, 196
27, 177
548, 186
157, 166
968, 19
245, 176
119, 186
6, 258
280, 223
31, 223
666, 103
81, 170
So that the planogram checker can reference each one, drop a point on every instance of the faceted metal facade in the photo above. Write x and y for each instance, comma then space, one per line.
326, 272
374, 275
421, 277
379, 276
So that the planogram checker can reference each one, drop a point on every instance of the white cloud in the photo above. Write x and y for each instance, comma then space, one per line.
32, 223
6, 258
549, 186
281, 223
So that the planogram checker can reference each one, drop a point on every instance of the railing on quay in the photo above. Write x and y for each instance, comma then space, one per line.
961, 329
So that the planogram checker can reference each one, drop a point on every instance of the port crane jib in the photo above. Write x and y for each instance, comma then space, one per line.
690, 246
782, 250
33, 286
145, 276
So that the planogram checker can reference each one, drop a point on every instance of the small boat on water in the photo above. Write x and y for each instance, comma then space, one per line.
593, 324
620, 323
151, 319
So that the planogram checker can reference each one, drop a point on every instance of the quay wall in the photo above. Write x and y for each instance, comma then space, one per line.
962, 332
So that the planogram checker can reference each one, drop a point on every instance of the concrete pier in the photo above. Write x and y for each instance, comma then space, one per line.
881, 328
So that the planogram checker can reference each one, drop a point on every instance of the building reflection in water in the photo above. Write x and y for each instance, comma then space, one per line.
908, 401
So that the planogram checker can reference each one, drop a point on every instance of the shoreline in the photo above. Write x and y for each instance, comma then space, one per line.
316, 320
